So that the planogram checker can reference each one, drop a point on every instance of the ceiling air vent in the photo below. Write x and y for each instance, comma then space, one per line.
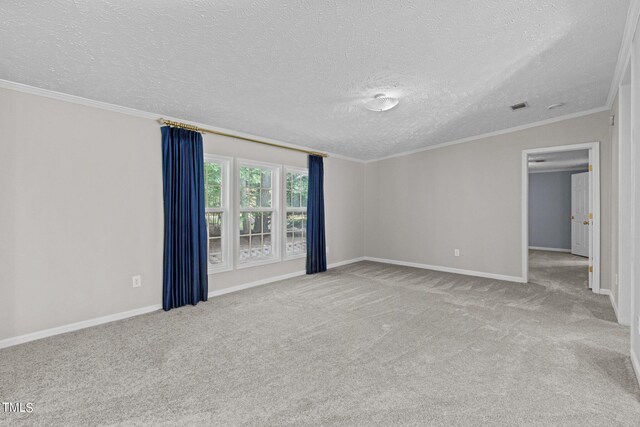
519, 106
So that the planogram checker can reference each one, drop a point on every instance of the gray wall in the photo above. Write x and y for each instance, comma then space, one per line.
81, 212
550, 209
422, 206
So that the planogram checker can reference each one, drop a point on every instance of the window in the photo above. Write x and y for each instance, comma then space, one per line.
258, 184
296, 216
216, 178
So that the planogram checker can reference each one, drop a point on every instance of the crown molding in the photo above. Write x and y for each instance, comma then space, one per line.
19, 87
625, 49
496, 133
60, 96
32, 90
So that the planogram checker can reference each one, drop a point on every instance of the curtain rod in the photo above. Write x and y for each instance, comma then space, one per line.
202, 130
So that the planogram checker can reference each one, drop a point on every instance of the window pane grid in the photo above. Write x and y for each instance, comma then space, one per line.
257, 212
255, 235
297, 187
213, 184
215, 212
255, 187
296, 213
296, 232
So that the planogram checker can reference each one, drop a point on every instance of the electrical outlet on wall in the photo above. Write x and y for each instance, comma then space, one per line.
137, 281
327, 249
456, 252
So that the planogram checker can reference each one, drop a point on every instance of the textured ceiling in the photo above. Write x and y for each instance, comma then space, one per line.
300, 71
561, 160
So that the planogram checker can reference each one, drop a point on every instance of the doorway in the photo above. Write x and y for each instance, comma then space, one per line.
580, 223
561, 205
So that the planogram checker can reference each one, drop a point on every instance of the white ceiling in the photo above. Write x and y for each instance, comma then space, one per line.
300, 71
563, 160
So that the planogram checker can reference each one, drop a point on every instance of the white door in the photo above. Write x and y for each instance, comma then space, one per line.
580, 222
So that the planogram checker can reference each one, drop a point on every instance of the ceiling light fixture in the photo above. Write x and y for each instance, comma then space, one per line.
381, 102
558, 105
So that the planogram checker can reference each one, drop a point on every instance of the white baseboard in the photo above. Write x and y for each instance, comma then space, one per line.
613, 303
276, 279
540, 248
448, 269
349, 261
237, 288
9, 342
636, 365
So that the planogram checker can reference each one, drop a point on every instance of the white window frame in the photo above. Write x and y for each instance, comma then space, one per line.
276, 209
227, 218
286, 209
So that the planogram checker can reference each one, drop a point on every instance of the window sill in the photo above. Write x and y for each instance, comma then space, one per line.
296, 256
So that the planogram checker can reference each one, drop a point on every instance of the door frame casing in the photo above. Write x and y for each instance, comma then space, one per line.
626, 206
594, 197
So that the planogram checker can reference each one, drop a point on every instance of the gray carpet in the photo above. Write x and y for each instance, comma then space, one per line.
364, 344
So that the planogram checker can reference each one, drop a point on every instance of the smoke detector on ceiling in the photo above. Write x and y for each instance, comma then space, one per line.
519, 106
381, 102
